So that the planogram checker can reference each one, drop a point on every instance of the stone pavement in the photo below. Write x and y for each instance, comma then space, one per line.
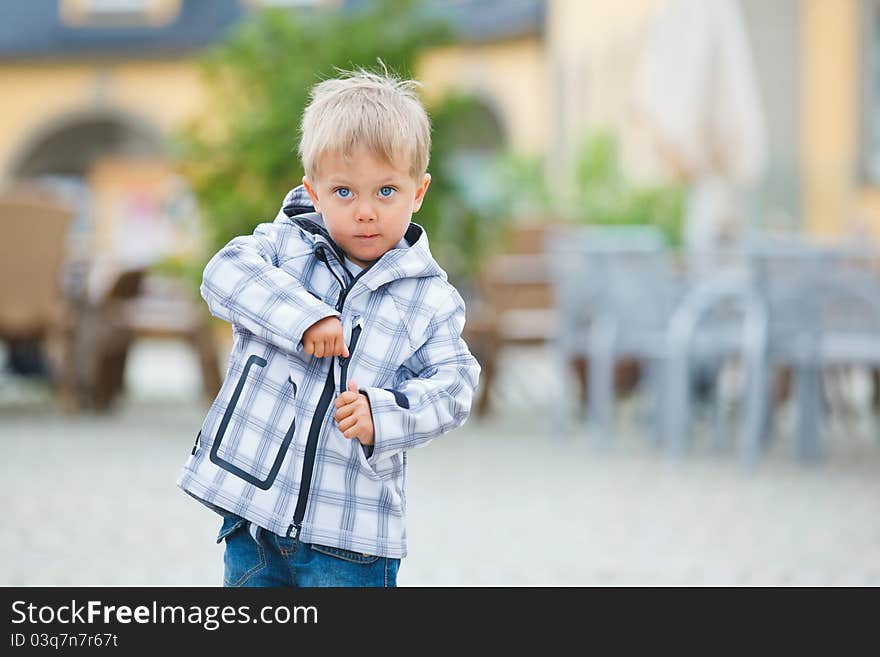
91, 500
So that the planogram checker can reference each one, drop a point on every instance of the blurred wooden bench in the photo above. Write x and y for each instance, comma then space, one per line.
44, 299
137, 305
514, 307
164, 309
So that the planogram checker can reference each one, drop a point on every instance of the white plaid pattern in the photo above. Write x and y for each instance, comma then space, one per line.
409, 360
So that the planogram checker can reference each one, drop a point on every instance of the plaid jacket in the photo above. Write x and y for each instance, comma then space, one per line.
269, 449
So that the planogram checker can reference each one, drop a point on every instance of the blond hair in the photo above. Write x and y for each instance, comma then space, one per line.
363, 109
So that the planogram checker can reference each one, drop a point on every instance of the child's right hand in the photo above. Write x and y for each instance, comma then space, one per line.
324, 338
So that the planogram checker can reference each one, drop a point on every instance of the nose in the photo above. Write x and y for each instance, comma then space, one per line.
365, 212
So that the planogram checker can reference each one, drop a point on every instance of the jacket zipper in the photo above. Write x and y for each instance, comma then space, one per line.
321, 410
345, 360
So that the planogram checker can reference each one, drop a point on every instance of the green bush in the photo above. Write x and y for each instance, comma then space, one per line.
603, 194
600, 194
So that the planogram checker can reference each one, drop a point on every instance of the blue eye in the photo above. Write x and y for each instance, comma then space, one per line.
343, 192
386, 191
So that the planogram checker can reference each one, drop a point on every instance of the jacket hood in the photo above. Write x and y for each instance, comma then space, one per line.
414, 260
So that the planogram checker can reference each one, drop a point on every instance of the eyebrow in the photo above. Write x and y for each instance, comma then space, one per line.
335, 182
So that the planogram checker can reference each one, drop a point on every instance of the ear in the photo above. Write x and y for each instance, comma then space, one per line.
311, 192
420, 192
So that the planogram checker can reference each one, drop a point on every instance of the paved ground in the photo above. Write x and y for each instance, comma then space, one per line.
91, 501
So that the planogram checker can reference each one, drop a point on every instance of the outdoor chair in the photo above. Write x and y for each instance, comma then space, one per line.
720, 318
34, 228
615, 288
621, 294
823, 311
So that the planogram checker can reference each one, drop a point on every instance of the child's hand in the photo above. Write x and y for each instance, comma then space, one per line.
324, 338
354, 416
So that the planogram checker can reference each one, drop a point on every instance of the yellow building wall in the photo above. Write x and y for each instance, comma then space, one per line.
37, 96
593, 50
544, 88
510, 76
548, 90
835, 202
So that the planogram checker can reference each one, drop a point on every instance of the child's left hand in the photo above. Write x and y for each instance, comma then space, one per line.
354, 416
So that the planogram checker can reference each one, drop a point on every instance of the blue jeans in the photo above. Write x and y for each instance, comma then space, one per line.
274, 560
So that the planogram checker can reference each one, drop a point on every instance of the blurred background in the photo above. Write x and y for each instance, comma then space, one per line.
663, 216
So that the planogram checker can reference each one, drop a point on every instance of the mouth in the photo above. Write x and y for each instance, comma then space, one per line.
367, 237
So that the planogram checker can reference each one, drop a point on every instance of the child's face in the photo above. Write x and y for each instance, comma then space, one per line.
366, 202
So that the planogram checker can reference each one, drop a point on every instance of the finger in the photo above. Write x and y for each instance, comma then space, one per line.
345, 412
346, 398
336, 346
352, 386
309, 347
352, 432
347, 424
319, 349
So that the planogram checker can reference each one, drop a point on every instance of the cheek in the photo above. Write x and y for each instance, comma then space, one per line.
404, 206
400, 217
334, 223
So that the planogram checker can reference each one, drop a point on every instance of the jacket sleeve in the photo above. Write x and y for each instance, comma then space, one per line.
437, 400
244, 285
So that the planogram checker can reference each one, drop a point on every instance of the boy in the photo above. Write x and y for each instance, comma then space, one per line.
347, 352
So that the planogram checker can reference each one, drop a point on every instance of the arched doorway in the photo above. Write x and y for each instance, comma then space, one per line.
61, 155
468, 138
475, 140
69, 146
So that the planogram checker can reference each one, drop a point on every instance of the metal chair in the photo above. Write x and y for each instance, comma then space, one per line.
719, 318
621, 295
823, 310
615, 288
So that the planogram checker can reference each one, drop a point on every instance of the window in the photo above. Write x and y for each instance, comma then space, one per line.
118, 13
285, 3
117, 6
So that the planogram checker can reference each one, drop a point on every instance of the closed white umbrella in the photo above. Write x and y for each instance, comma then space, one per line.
697, 90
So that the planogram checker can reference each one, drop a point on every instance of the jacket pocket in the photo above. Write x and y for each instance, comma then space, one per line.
389, 468
362, 458
257, 427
